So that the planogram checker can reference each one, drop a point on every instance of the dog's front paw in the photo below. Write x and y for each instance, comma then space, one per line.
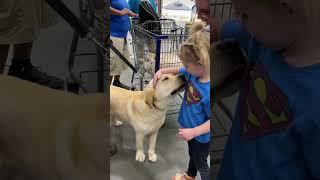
118, 123
140, 156
152, 157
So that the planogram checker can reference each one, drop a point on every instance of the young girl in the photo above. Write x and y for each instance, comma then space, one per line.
194, 117
276, 130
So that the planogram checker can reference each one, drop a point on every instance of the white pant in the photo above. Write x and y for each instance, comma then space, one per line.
116, 64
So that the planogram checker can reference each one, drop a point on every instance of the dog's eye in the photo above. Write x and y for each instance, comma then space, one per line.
166, 78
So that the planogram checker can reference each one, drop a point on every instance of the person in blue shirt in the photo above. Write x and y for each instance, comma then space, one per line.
194, 116
119, 28
276, 129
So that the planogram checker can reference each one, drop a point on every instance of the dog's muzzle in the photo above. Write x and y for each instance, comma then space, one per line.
182, 86
182, 77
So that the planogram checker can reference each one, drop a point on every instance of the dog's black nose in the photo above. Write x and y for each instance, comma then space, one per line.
182, 77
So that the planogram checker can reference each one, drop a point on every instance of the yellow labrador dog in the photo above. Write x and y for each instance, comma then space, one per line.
51, 135
145, 110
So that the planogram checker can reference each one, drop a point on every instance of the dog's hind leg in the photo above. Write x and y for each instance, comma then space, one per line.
152, 146
140, 156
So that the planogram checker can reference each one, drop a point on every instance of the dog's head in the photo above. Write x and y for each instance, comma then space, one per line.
164, 90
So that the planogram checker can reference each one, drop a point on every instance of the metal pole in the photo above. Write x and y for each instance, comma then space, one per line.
158, 50
160, 7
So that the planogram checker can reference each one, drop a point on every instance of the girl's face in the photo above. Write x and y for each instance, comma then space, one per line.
194, 68
272, 24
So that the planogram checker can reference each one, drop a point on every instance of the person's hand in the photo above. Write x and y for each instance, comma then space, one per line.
124, 11
157, 76
187, 134
131, 14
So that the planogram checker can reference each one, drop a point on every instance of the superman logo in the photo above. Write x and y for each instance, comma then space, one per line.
192, 94
264, 107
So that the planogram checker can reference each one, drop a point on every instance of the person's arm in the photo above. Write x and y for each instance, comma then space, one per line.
116, 12
202, 129
122, 12
189, 133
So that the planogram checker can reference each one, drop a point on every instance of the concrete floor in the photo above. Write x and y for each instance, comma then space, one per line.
171, 151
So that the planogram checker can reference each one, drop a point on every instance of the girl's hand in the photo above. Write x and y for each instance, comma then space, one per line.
157, 76
187, 134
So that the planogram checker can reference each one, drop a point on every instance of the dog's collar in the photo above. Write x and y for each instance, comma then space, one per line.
154, 104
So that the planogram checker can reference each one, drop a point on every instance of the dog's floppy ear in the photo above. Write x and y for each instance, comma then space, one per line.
149, 96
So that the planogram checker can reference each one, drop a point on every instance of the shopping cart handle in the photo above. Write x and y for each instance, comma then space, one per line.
135, 18
176, 29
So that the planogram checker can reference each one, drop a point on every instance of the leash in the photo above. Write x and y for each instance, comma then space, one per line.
124, 59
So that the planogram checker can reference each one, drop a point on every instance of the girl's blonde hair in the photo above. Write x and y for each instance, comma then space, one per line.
196, 48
